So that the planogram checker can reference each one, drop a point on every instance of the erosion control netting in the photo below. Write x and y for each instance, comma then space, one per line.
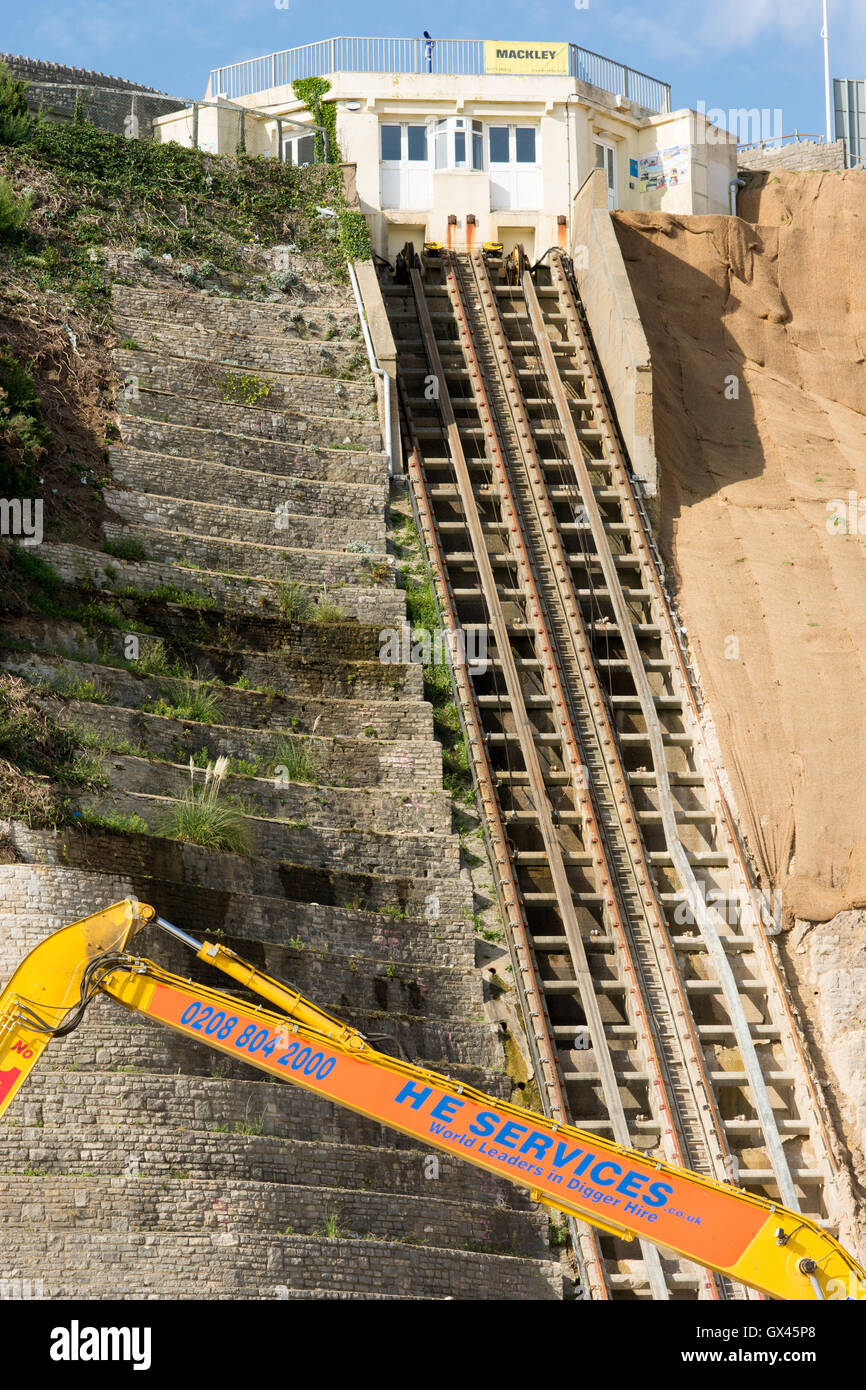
756, 327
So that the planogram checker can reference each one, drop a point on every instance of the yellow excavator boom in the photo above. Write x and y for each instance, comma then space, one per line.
48, 984
748, 1238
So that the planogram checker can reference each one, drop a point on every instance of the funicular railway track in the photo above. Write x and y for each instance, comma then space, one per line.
653, 1019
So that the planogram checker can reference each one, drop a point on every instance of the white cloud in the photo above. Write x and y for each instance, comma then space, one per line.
701, 30
740, 22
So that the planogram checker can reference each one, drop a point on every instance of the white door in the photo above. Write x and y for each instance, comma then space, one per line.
405, 166
514, 165
605, 158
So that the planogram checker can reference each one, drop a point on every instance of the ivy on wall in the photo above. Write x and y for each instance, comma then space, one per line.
310, 91
354, 235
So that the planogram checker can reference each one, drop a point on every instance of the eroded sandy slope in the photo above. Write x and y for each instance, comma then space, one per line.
771, 306
772, 591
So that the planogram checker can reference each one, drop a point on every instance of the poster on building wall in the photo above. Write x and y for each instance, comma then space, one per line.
502, 56
664, 168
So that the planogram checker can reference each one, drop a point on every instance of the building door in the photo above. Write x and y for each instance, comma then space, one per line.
605, 158
404, 165
513, 160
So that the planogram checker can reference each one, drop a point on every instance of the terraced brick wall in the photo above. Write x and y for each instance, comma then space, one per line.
135, 1163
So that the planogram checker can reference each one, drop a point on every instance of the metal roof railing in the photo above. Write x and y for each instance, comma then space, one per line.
776, 141
638, 87
445, 57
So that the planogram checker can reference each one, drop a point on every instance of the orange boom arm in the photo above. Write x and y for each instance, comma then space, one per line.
748, 1238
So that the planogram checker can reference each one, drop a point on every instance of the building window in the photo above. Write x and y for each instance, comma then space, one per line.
497, 138
398, 143
524, 145
515, 177
405, 176
417, 139
477, 146
458, 143
440, 129
510, 145
299, 150
392, 137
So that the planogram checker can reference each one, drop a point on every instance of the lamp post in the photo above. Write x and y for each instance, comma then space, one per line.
825, 35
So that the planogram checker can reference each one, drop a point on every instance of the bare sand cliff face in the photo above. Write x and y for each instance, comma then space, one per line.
771, 305
757, 329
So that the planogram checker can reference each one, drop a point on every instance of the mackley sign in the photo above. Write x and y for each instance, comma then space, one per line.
500, 56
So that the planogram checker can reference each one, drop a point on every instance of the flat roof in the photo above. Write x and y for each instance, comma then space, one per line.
440, 58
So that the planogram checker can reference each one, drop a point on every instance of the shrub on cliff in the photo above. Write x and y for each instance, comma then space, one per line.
15, 120
14, 211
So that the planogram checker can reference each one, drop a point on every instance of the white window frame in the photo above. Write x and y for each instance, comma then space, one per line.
444, 133
511, 163
404, 159
291, 143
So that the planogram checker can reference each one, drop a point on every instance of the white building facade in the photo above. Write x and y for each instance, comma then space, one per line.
468, 140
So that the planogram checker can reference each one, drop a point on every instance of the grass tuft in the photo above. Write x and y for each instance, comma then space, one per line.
201, 819
77, 688
295, 601
125, 548
326, 611
117, 821
299, 758
154, 660
191, 701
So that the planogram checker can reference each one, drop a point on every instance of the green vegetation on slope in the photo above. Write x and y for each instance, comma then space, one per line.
23, 436
14, 117
423, 614
201, 818
37, 753
70, 196
93, 189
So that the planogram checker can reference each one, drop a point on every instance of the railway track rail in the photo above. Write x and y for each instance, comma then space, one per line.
655, 1009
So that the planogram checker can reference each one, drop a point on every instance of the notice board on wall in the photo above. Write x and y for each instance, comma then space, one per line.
664, 168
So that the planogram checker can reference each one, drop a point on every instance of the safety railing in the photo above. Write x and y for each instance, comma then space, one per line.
637, 87
776, 141
445, 57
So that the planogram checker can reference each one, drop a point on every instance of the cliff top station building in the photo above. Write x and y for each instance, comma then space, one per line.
471, 140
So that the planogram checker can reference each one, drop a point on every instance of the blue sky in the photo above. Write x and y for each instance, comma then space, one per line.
727, 54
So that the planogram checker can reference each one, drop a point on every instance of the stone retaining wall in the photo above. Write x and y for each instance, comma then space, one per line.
799, 155
130, 1143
